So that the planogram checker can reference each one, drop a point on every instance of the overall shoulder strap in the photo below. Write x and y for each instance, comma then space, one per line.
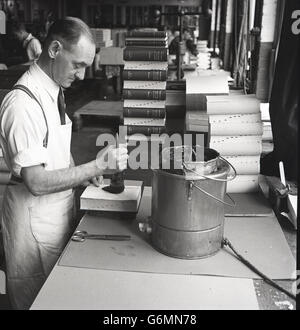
28, 92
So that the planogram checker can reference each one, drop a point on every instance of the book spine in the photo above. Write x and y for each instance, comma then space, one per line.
151, 43
144, 94
146, 34
154, 75
146, 130
144, 113
145, 54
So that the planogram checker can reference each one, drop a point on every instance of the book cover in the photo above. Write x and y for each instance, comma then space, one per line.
147, 85
95, 198
151, 104
154, 75
145, 54
144, 113
145, 65
147, 43
146, 130
128, 121
146, 34
144, 94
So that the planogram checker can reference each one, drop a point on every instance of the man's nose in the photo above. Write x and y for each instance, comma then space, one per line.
80, 74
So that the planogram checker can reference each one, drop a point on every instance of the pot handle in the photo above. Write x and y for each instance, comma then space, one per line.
215, 198
214, 179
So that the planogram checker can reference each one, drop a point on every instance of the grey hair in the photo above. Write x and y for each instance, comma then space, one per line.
68, 31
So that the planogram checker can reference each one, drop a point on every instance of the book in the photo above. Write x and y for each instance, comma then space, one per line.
146, 34
95, 198
248, 145
136, 94
196, 118
146, 39
198, 128
145, 65
146, 130
235, 118
245, 164
242, 128
146, 85
145, 54
128, 121
154, 75
144, 94
147, 43
232, 104
207, 85
144, 113
267, 132
150, 104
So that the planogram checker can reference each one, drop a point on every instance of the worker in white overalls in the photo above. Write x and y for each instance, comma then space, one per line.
35, 135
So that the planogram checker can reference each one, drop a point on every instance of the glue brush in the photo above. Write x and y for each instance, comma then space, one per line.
117, 181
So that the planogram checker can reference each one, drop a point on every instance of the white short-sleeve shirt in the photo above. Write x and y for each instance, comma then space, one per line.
22, 123
33, 47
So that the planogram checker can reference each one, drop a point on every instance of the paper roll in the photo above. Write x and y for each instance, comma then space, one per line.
237, 145
207, 85
236, 104
236, 129
245, 165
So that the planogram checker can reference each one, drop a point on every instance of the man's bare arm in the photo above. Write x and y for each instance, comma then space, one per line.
40, 182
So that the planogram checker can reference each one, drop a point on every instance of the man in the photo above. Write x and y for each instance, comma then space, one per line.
190, 46
30, 44
35, 136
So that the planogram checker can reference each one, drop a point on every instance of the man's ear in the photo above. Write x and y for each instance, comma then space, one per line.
54, 48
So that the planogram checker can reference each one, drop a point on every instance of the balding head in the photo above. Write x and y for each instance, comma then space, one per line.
68, 31
68, 50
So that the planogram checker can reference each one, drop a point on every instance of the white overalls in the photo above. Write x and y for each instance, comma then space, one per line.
36, 229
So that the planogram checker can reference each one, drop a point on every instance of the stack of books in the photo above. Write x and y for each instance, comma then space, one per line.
236, 133
118, 37
215, 63
203, 56
145, 76
197, 89
102, 37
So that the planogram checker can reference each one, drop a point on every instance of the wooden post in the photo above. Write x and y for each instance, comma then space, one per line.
266, 46
252, 5
228, 35
123, 15
163, 16
114, 15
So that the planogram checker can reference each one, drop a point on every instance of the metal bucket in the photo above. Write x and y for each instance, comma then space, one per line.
188, 214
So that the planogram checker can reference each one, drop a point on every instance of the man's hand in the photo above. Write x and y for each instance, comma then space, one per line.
112, 159
96, 181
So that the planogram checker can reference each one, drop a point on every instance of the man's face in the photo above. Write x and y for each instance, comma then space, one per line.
70, 65
186, 35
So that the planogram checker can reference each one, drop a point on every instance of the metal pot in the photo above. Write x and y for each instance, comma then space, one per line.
188, 214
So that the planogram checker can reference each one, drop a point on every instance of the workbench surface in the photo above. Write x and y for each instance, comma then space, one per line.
74, 287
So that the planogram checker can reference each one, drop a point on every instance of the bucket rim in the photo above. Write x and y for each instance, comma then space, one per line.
223, 168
